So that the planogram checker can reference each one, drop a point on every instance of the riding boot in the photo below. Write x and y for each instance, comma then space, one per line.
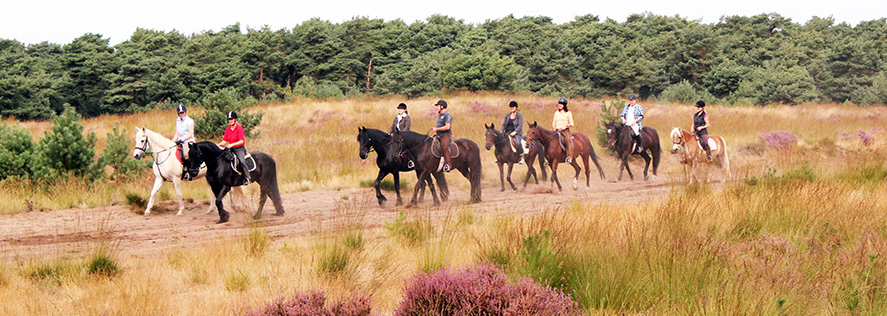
640, 142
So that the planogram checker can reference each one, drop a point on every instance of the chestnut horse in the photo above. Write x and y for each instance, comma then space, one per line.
504, 155
687, 145
554, 153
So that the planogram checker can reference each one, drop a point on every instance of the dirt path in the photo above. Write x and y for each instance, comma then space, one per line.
72, 231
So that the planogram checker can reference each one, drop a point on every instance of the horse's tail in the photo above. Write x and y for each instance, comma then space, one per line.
726, 160
273, 187
474, 170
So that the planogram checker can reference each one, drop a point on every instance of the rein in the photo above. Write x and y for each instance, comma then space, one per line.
144, 148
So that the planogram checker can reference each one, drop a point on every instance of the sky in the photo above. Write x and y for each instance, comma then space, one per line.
54, 21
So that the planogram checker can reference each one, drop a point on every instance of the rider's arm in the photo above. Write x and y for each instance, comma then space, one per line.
569, 119
706, 123
446, 127
190, 133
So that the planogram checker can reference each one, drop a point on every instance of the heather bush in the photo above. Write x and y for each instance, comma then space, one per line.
481, 290
313, 303
779, 140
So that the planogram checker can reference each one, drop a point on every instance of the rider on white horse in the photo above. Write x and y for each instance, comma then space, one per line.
184, 134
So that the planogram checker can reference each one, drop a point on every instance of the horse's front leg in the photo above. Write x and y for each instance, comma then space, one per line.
397, 188
501, 176
220, 192
510, 168
578, 170
377, 186
420, 182
177, 184
158, 182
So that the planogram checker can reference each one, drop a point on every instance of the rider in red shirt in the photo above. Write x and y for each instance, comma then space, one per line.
234, 139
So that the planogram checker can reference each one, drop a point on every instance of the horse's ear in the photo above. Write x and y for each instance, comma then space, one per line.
493, 125
486, 126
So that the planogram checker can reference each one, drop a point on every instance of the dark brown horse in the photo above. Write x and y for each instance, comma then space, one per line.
555, 154
504, 154
619, 139
467, 162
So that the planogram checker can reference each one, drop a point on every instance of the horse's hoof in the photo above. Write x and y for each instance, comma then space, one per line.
179, 213
257, 217
435, 203
279, 213
399, 203
502, 190
221, 221
146, 214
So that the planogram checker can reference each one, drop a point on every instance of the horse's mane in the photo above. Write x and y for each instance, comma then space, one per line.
162, 140
208, 147
376, 134
413, 137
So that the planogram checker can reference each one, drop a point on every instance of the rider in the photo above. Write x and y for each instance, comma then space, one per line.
184, 134
402, 123
234, 139
563, 120
700, 127
513, 126
633, 115
444, 132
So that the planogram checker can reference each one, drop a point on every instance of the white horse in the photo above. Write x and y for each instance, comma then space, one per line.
166, 166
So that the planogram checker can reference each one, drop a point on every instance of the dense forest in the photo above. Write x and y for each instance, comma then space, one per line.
761, 59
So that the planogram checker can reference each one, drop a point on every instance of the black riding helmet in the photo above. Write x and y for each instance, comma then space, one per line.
402, 106
700, 104
632, 96
562, 100
512, 104
441, 103
181, 109
232, 115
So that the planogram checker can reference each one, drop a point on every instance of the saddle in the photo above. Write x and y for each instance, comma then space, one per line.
436, 150
563, 143
235, 165
711, 144
523, 143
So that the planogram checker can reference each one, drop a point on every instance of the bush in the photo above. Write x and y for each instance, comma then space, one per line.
102, 264
16, 152
481, 290
779, 140
609, 113
64, 150
217, 105
313, 303
116, 155
685, 92
779, 85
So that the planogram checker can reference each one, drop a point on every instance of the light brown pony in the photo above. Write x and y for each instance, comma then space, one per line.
691, 151
555, 154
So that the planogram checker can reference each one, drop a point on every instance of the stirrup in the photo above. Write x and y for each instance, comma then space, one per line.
568, 160
446, 167
411, 164
709, 158
521, 160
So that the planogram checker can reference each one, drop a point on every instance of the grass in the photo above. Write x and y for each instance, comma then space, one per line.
798, 232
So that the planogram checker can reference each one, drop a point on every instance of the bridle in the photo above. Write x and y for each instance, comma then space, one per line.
144, 148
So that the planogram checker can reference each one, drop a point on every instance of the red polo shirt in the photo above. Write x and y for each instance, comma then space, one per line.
234, 134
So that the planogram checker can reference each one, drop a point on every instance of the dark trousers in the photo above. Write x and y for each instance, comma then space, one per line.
445, 148
240, 152
518, 146
703, 140
565, 133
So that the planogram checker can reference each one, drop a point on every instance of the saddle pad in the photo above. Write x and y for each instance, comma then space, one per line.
250, 163
179, 155
711, 144
435, 149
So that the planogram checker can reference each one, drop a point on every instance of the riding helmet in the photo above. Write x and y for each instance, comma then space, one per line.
512, 104
441, 103
402, 106
562, 100
232, 115
181, 109
632, 96
700, 104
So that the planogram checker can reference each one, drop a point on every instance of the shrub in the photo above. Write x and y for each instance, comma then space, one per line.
102, 264
779, 140
311, 304
333, 259
16, 152
779, 84
64, 150
136, 200
116, 156
481, 290
213, 122
685, 92
609, 113
256, 241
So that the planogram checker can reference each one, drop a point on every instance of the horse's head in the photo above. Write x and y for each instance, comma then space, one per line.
677, 138
491, 135
365, 144
612, 133
141, 141
533, 132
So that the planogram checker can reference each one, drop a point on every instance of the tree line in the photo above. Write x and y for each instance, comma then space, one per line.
761, 59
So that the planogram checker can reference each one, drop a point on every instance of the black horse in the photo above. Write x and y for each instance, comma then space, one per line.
419, 146
619, 139
504, 155
221, 177
377, 140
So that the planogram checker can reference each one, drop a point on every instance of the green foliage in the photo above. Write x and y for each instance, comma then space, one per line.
53, 272
609, 113
385, 184
785, 85
16, 152
101, 263
413, 232
257, 241
212, 124
685, 92
64, 151
116, 156
479, 72
333, 259
136, 200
